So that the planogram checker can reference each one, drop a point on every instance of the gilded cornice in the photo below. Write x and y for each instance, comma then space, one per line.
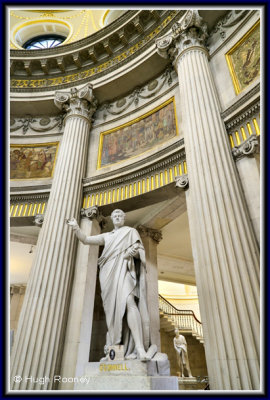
93, 57
243, 116
241, 102
29, 197
105, 180
176, 149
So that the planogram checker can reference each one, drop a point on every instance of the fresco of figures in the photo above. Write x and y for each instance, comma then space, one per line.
32, 161
245, 59
139, 136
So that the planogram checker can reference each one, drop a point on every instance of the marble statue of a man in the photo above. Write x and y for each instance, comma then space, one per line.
123, 286
180, 346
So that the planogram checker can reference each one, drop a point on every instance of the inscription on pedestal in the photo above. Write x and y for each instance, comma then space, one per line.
113, 367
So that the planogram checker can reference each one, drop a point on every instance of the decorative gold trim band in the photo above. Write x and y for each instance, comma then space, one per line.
38, 83
27, 209
135, 188
250, 127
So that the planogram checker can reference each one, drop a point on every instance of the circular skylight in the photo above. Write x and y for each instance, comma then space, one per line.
44, 42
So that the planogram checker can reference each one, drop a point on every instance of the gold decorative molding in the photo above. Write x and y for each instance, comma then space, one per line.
136, 186
248, 128
112, 61
27, 209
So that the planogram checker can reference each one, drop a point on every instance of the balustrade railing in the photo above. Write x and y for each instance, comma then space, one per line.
182, 319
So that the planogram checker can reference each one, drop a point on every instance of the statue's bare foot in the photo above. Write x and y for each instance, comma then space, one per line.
131, 356
151, 352
141, 354
104, 358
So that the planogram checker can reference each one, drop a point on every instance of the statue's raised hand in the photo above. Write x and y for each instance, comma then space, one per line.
72, 222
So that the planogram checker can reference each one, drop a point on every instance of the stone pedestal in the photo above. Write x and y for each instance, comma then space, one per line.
189, 384
127, 375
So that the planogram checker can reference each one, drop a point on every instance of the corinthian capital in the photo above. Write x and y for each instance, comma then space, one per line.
77, 102
189, 32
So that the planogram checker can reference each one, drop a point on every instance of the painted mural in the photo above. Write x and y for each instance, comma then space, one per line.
244, 59
138, 136
32, 161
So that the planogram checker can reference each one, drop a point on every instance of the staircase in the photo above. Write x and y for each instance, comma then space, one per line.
172, 318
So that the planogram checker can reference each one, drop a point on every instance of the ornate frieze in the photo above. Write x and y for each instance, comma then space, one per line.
241, 118
154, 234
36, 124
190, 31
102, 56
244, 124
80, 103
229, 25
181, 181
230, 20
136, 183
145, 92
248, 148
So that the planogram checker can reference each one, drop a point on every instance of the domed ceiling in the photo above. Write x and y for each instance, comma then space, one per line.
73, 24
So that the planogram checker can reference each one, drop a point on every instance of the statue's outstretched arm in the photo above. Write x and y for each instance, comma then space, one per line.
97, 239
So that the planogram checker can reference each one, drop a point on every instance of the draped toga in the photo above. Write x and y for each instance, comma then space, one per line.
180, 345
120, 277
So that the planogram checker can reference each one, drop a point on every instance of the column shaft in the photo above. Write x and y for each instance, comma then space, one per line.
226, 261
80, 319
250, 179
152, 289
38, 345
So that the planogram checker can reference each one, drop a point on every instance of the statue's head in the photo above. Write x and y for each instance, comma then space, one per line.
118, 218
176, 331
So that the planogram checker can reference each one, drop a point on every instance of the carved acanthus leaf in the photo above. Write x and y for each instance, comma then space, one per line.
190, 31
77, 102
139, 93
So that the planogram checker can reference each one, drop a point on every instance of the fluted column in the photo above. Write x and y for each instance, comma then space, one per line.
81, 310
225, 251
151, 238
39, 341
250, 178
